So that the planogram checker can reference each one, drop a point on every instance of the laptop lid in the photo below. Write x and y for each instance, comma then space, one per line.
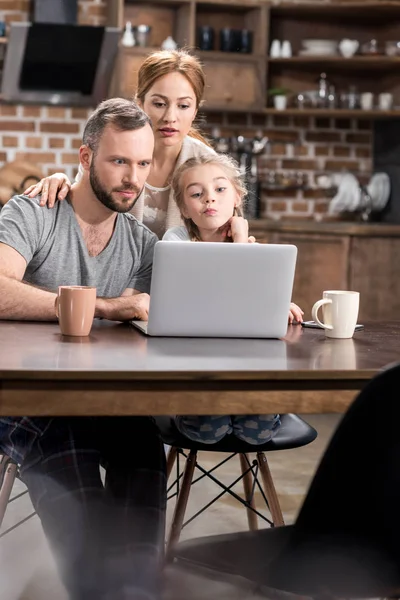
221, 290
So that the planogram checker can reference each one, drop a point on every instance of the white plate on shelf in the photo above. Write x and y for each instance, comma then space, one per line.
311, 43
318, 52
320, 46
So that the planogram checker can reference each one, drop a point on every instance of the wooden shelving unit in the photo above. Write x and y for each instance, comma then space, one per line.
240, 82
339, 113
369, 63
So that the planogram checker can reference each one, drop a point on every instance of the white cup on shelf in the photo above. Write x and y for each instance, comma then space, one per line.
286, 50
367, 101
276, 49
280, 102
385, 101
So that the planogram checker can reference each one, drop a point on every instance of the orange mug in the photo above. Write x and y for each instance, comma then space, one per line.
75, 306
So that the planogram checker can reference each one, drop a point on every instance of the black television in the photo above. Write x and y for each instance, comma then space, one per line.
59, 64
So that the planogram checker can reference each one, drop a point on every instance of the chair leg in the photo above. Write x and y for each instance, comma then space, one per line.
171, 458
269, 490
181, 502
247, 486
9, 472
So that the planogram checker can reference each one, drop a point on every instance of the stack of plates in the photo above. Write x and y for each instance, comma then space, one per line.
319, 48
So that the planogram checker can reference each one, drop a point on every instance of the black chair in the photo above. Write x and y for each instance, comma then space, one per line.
346, 539
293, 433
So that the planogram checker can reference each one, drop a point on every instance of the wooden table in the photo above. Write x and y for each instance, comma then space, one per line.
119, 371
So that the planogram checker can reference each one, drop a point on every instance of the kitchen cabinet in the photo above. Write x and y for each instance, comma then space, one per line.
240, 82
235, 80
232, 83
353, 256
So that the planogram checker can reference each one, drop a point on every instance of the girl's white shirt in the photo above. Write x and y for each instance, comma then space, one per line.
177, 234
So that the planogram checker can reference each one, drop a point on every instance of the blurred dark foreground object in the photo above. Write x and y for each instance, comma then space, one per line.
345, 541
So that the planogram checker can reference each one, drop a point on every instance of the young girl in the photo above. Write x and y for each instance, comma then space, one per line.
209, 192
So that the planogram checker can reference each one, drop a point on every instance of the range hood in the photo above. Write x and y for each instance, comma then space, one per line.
59, 64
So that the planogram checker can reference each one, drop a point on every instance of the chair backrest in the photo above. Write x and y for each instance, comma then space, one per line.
351, 511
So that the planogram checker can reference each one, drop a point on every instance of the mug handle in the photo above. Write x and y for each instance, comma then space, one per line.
56, 302
314, 312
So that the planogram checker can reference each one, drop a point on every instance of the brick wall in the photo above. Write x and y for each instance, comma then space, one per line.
50, 137
313, 146
91, 12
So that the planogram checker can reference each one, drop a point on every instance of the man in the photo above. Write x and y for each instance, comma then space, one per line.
107, 539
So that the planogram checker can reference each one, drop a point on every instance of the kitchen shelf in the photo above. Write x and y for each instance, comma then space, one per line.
329, 62
233, 56
285, 188
335, 112
166, 3
357, 10
139, 50
326, 192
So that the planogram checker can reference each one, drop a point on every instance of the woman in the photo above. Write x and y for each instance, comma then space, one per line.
170, 90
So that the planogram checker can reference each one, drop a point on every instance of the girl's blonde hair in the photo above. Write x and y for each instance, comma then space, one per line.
231, 170
162, 63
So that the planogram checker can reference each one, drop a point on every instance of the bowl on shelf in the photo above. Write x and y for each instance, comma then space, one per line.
348, 47
314, 47
392, 48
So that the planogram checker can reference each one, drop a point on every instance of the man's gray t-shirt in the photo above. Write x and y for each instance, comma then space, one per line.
51, 242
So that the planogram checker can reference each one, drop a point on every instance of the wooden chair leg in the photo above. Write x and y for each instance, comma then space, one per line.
269, 490
8, 475
248, 486
171, 458
181, 502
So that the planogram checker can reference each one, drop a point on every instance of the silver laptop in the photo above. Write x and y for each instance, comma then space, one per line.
220, 290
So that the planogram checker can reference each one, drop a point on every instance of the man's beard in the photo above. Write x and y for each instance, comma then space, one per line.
106, 197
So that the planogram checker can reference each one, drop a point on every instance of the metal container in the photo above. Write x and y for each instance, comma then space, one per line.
142, 35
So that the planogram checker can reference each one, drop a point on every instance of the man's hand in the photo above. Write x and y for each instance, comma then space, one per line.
140, 307
125, 308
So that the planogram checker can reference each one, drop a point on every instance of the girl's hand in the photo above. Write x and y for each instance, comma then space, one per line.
295, 313
238, 229
55, 187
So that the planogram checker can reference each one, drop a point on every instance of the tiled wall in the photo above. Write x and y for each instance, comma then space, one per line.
50, 137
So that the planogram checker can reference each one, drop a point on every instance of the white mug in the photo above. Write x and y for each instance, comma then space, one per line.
367, 101
340, 313
286, 49
385, 101
276, 49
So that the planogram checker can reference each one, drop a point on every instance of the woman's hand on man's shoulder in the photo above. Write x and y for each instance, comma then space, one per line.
52, 188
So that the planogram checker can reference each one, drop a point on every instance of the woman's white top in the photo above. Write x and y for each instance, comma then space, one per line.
155, 208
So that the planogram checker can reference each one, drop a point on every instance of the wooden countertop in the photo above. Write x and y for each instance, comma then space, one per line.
325, 227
